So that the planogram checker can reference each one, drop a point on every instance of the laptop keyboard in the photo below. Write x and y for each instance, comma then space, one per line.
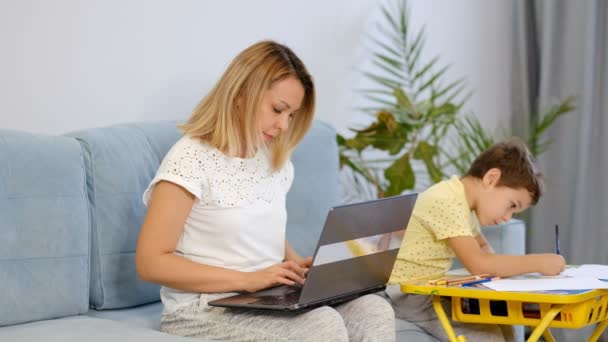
285, 300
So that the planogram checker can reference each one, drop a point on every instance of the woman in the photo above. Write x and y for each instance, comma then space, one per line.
216, 212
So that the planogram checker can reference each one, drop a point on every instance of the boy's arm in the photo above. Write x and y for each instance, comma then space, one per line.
484, 244
477, 261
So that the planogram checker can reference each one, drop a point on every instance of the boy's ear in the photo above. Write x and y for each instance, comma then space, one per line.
492, 177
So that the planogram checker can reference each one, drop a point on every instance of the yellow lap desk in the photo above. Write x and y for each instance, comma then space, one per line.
542, 310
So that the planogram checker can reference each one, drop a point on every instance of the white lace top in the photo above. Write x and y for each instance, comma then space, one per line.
238, 219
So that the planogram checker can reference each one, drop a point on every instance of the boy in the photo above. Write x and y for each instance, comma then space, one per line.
502, 181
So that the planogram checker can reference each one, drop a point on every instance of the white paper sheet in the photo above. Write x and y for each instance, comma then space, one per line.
588, 270
545, 284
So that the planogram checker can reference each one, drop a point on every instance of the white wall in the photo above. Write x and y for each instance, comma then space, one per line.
475, 37
70, 64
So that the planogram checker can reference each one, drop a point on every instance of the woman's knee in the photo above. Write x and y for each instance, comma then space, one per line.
369, 318
326, 324
376, 306
367, 309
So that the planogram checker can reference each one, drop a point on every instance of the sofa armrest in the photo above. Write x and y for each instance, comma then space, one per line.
507, 238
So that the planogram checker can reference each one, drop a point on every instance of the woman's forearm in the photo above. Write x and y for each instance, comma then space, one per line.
182, 274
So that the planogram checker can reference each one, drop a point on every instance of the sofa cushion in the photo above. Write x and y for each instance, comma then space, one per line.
143, 316
406, 332
315, 187
120, 162
44, 228
82, 328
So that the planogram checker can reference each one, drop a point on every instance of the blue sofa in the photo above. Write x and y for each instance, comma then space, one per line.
70, 213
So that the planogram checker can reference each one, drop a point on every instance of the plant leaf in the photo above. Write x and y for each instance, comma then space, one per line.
400, 176
546, 119
445, 109
441, 92
403, 100
426, 68
426, 152
387, 48
340, 140
432, 79
383, 80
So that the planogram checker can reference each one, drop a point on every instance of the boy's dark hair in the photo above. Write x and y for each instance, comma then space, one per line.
517, 166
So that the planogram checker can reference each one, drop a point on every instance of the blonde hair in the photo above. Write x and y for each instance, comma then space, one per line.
226, 117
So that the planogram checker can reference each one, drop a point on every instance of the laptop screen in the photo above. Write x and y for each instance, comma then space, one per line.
358, 247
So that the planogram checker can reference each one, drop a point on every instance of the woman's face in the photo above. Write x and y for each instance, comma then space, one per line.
278, 106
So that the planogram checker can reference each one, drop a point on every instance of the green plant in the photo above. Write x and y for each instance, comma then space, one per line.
413, 110
415, 115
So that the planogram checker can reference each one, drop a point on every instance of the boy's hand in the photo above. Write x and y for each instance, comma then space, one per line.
551, 264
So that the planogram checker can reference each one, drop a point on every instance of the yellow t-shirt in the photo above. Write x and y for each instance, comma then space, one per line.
440, 212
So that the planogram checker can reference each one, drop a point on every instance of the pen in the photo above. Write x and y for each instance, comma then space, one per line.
557, 239
471, 283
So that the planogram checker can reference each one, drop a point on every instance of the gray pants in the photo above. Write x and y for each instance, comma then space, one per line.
368, 318
418, 309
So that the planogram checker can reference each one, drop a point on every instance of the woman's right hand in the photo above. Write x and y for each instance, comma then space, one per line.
287, 273
551, 264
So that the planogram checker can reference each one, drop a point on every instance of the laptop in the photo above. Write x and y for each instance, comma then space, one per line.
354, 256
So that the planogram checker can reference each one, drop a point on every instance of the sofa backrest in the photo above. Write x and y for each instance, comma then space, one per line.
44, 228
120, 162
315, 187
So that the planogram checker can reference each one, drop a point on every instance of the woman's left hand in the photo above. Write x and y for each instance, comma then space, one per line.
305, 263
